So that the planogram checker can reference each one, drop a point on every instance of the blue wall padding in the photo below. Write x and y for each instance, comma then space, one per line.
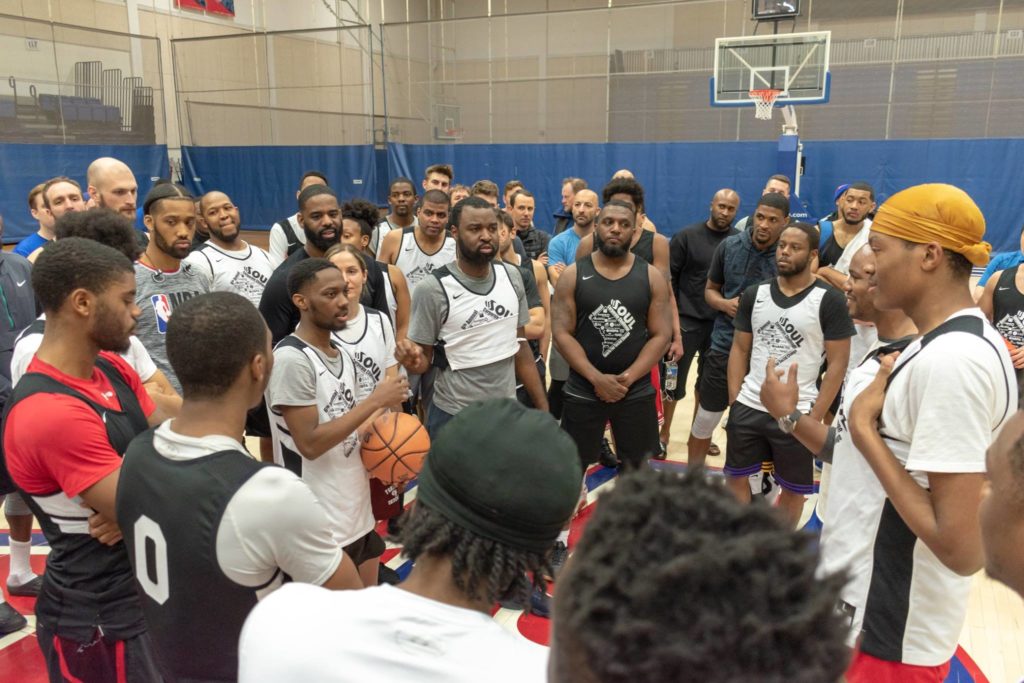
681, 177
262, 181
22, 167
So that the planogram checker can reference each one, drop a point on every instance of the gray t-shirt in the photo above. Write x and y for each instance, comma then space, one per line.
157, 293
293, 381
456, 389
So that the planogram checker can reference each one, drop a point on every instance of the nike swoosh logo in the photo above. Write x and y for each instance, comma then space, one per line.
408, 248
1001, 289
20, 283
587, 277
320, 373
456, 296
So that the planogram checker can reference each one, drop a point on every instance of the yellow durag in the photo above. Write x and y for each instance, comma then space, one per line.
936, 213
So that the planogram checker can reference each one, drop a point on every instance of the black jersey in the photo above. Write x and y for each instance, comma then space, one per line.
170, 512
1008, 308
611, 323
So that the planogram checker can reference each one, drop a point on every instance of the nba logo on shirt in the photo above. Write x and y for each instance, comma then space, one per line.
162, 311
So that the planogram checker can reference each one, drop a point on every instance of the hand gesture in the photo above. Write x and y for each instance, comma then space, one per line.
409, 354
610, 388
867, 407
391, 391
731, 306
779, 398
104, 530
675, 351
1017, 357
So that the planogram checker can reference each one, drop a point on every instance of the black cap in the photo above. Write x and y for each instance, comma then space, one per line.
504, 472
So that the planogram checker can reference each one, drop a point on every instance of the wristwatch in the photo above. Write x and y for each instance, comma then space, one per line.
788, 423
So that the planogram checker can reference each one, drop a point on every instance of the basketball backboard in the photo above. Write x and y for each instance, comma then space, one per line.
796, 64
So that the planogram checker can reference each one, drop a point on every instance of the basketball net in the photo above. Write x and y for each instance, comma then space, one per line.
764, 102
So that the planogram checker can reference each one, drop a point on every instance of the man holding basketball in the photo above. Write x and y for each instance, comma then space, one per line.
257, 522
315, 415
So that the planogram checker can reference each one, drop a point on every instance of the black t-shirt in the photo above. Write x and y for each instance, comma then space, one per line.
690, 254
830, 252
280, 313
532, 297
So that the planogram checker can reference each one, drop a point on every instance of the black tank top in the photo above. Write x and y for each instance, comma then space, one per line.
1008, 308
611, 323
175, 507
644, 247
86, 584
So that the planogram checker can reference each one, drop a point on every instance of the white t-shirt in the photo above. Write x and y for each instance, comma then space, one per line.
945, 404
852, 247
27, 345
273, 520
303, 633
278, 245
244, 272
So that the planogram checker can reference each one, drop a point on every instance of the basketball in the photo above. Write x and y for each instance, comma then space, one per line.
394, 447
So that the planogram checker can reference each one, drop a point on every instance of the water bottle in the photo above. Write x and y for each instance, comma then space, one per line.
671, 375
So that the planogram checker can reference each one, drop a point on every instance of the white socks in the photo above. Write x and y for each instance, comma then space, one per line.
564, 536
21, 569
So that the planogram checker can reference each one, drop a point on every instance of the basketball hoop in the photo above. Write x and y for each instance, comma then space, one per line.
764, 102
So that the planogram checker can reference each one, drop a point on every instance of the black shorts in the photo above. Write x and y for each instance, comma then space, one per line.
634, 427
714, 383
365, 548
754, 437
257, 421
522, 395
696, 340
104, 659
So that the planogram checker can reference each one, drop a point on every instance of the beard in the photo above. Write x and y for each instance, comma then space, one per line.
794, 268
169, 249
107, 332
319, 242
219, 234
474, 257
611, 251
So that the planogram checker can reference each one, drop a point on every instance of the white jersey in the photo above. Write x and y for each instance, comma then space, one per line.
389, 294
480, 328
337, 477
415, 263
28, 342
273, 520
790, 330
382, 633
381, 230
278, 244
852, 247
851, 518
370, 342
244, 272
949, 395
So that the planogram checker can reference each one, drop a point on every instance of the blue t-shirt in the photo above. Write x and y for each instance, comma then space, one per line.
999, 262
30, 244
562, 247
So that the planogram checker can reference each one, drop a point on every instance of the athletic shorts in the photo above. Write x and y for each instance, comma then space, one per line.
385, 499
257, 421
522, 395
696, 340
15, 505
867, 669
754, 437
365, 548
634, 425
714, 383
101, 661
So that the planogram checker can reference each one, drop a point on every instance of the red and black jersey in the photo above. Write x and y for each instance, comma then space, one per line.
62, 435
